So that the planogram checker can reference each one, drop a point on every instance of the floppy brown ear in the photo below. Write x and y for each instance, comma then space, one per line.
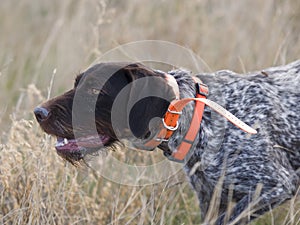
147, 100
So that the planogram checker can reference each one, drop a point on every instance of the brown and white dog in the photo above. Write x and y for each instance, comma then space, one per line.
115, 101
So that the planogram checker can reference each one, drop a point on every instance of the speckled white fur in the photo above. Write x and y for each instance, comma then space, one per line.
270, 102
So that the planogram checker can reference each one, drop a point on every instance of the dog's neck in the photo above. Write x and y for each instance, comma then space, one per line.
187, 89
212, 126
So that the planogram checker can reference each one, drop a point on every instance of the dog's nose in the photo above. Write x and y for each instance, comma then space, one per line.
41, 114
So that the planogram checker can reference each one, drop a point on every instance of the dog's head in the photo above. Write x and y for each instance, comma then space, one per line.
109, 102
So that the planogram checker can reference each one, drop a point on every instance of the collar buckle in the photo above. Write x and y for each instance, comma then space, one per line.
202, 89
170, 127
174, 112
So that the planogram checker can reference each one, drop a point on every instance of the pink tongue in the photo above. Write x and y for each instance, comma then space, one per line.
85, 142
92, 141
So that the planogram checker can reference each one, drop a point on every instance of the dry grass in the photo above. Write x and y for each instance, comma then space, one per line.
37, 37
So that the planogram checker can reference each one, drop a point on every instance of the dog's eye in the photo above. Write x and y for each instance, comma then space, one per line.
95, 91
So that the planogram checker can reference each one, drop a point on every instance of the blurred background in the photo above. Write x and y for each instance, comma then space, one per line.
45, 44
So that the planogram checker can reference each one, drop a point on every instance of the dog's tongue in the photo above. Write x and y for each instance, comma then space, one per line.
96, 141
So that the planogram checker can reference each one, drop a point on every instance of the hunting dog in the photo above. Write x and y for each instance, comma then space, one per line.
258, 171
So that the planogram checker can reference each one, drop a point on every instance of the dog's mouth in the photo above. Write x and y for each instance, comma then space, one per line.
74, 150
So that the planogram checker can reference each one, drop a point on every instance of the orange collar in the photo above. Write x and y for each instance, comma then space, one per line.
170, 120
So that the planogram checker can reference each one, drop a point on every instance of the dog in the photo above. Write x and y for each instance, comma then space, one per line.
244, 175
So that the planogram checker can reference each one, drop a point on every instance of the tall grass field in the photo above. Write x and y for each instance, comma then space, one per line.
45, 44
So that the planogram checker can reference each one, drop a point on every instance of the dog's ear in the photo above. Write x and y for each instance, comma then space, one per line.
148, 98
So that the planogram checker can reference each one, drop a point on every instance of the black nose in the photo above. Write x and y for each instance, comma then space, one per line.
41, 114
